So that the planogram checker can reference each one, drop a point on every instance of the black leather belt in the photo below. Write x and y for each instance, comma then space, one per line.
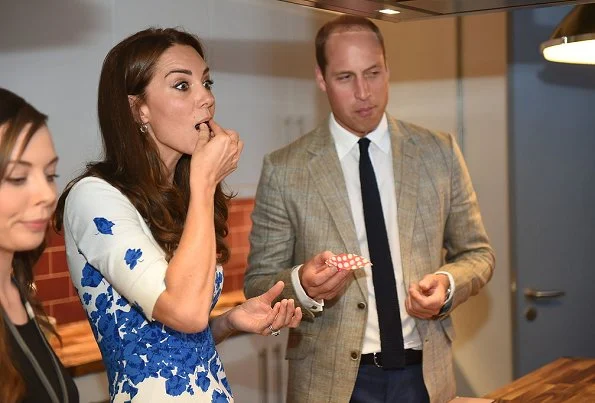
411, 357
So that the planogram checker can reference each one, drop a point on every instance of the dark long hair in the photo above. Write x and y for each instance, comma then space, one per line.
16, 115
127, 70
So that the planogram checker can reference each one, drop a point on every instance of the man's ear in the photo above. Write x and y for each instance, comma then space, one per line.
320, 79
138, 109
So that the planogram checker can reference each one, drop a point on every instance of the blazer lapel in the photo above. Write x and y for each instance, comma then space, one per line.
327, 175
405, 165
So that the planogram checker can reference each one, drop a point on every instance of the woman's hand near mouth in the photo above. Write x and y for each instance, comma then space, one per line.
215, 156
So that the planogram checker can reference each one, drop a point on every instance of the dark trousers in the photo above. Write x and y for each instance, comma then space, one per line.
376, 385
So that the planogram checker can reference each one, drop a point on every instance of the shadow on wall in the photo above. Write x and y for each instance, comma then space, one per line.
262, 58
464, 388
476, 312
539, 26
47, 24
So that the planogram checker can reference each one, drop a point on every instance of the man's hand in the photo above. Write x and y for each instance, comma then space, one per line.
321, 281
426, 298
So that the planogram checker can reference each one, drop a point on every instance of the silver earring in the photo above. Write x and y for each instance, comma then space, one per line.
144, 128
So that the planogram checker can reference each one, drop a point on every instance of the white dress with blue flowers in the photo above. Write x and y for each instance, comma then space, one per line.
119, 270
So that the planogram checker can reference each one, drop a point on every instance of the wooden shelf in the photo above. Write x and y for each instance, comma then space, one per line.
568, 380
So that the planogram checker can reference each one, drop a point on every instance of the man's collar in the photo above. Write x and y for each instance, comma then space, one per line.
345, 140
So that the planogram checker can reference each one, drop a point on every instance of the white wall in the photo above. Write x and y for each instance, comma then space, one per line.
483, 349
262, 57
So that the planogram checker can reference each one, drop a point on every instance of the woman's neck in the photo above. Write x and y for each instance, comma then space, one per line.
170, 159
6, 258
10, 298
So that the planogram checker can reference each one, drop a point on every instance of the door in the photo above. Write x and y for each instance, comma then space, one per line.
552, 165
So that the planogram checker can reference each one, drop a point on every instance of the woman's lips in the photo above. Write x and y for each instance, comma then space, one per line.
36, 225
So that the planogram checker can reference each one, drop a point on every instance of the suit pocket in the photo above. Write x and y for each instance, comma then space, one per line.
448, 328
299, 346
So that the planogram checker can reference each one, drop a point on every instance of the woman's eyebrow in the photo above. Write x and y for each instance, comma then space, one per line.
183, 71
28, 164
53, 161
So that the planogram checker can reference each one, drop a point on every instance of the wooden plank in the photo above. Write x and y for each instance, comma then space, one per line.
569, 380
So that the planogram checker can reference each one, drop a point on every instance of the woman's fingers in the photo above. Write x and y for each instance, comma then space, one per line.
222, 151
219, 131
203, 131
296, 318
279, 321
289, 311
288, 315
216, 128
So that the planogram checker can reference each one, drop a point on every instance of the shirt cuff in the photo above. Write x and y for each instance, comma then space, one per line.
307, 302
451, 286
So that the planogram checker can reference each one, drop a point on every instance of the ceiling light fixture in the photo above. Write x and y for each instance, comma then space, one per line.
389, 11
573, 40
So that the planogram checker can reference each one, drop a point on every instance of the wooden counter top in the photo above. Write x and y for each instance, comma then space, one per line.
80, 354
569, 380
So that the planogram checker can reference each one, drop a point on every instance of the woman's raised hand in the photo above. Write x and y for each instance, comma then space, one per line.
216, 154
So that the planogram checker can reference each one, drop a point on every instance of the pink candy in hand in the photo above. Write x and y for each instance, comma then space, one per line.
347, 261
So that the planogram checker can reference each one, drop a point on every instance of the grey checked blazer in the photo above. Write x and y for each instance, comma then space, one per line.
302, 208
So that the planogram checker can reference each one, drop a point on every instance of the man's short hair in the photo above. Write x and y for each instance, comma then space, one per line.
343, 23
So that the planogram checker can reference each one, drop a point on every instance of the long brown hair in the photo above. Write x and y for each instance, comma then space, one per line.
17, 115
127, 70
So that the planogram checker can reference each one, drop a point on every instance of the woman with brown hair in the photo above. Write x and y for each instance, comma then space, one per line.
145, 226
29, 369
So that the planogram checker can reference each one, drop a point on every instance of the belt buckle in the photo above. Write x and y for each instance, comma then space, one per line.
376, 363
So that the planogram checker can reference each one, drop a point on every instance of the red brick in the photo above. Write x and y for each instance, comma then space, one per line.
47, 307
71, 290
239, 238
238, 258
43, 265
227, 286
235, 219
240, 211
53, 288
233, 282
67, 312
59, 264
244, 203
239, 281
54, 238
233, 270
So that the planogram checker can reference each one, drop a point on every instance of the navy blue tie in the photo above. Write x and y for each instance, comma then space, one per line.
383, 274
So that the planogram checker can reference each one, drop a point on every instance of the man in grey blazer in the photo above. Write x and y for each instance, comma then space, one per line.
309, 206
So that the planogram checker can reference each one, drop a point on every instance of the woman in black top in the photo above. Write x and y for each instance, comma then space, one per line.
29, 369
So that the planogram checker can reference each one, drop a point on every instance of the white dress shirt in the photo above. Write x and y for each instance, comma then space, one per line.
380, 151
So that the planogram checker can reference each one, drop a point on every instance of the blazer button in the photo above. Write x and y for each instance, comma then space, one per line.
361, 305
354, 355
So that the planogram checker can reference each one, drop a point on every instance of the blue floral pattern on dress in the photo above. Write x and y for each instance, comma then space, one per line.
91, 277
136, 351
104, 226
132, 256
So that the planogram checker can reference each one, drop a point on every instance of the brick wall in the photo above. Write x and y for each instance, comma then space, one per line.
61, 300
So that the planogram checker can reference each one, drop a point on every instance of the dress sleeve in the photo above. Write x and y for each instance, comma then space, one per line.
112, 236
